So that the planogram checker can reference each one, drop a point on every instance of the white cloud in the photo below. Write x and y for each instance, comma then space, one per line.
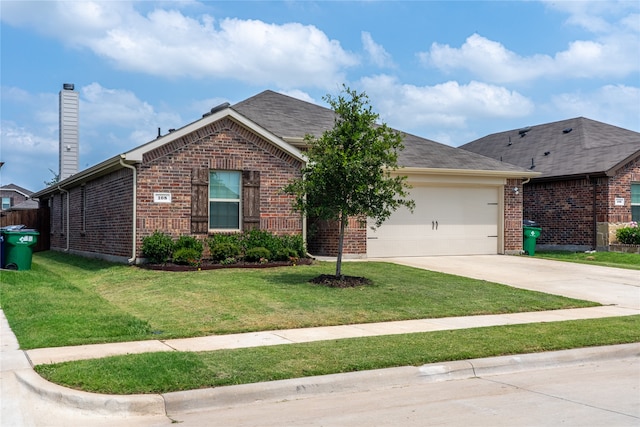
377, 54
299, 94
613, 56
168, 43
614, 104
445, 105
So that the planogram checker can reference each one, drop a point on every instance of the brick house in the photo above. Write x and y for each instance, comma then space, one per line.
16, 197
589, 182
225, 173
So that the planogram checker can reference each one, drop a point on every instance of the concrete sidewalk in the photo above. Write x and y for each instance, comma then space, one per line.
292, 336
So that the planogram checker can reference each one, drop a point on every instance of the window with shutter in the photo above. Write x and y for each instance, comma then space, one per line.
635, 201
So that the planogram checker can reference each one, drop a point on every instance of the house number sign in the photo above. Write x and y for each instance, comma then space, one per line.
619, 201
162, 197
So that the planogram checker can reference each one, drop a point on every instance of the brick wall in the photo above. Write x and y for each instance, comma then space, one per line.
513, 216
223, 145
324, 238
101, 223
16, 198
565, 209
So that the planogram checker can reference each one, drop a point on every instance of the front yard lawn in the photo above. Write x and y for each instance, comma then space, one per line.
67, 300
606, 259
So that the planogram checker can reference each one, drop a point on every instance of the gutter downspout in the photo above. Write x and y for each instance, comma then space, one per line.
66, 220
132, 260
595, 213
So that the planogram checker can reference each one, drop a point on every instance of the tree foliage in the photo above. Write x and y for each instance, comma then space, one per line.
349, 169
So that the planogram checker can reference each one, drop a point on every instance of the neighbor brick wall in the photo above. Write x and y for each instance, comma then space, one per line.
223, 145
563, 209
16, 198
513, 216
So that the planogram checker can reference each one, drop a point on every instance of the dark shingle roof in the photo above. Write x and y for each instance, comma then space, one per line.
13, 187
578, 146
288, 117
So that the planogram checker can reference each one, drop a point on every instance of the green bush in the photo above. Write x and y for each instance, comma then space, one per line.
187, 256
224, 251
295, 242
285, 254
261, 239
217, 239
189, 242
158, 247
257, 254
629, 235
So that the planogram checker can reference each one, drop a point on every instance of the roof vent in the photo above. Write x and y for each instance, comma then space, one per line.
546, 153
532, 164
509, 144
523, 132
567, 130
68, 86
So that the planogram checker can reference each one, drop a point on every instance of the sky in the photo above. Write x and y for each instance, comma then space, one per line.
449, 71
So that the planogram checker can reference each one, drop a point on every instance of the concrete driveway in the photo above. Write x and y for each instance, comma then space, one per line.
606, 285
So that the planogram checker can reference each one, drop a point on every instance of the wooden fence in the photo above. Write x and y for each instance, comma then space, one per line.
37, 219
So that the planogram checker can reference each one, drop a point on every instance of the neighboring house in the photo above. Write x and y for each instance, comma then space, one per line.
13, 197
225, 173
589, 182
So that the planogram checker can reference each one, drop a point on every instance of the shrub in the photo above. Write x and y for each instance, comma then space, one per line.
285, 254
257, 254
188, 242
629, 235
187, 256
295, 242
224, 251
217, 239
158, 247
261, 239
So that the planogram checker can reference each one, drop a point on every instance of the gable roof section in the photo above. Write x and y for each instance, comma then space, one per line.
573, 147
291, 119
17, 189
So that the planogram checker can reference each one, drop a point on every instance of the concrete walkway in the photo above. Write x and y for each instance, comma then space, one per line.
618, 289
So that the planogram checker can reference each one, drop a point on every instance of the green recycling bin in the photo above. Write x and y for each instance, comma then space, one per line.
531, 234
18, 248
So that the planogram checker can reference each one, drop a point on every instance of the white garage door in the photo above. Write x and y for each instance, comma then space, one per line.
445, 221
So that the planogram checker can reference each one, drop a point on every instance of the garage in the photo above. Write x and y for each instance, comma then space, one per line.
447, 220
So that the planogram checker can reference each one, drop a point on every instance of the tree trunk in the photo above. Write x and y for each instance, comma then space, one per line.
343, 225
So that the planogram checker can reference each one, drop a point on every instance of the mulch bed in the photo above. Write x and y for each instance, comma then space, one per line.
332, 281
209, 265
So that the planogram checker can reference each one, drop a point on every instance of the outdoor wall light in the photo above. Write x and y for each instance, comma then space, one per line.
516, 190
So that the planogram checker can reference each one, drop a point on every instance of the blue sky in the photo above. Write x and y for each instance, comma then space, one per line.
450, 71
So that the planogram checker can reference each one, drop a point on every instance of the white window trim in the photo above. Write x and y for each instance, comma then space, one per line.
238, 200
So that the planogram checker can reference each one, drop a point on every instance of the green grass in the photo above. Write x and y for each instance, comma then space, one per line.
607, 259
167, 372
67, 300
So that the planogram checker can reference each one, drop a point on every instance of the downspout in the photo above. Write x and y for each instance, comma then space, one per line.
595, 214
134, 227
66, 220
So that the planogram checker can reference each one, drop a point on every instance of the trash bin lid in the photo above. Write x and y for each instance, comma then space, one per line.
530, 223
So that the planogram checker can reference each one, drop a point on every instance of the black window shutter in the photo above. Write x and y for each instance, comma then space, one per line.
250, 200
199, 201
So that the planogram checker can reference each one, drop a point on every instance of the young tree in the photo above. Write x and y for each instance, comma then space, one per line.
349, 168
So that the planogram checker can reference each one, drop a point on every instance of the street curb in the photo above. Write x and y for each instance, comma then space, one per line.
299, 388
102, 404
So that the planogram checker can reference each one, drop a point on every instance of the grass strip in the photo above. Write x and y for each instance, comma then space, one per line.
175, 371
605, 259
68, 300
